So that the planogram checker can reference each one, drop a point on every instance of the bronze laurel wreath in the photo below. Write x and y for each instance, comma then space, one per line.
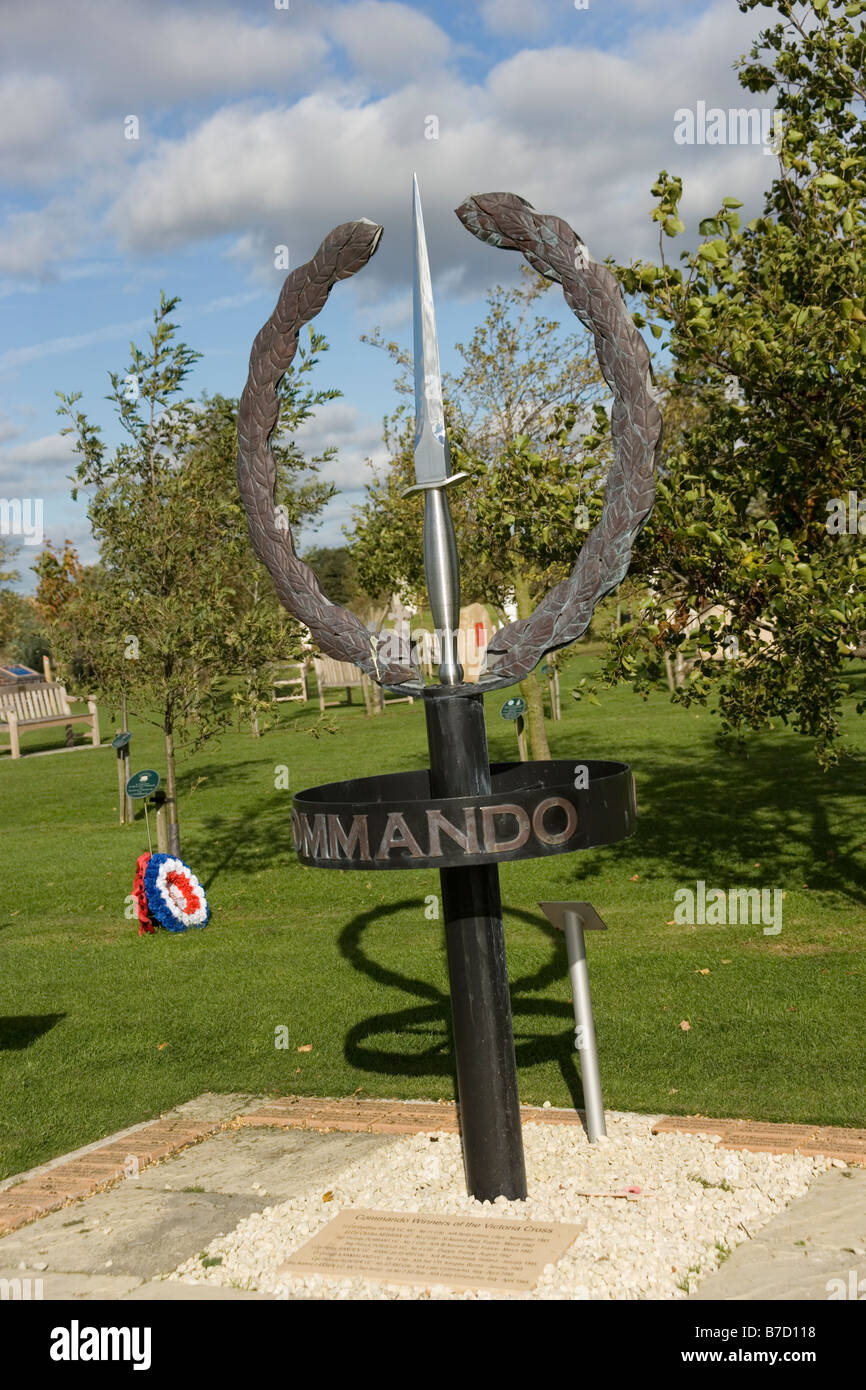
555, 250
335, 630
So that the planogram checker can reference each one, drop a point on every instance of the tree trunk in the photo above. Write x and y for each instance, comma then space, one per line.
367, 689
254, 709
171, 794
254, 716
128, 816
529, 688
531, 692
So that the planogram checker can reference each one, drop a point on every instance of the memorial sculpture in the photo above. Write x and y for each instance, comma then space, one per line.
462, 815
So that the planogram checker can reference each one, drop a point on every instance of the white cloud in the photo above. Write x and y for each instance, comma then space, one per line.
39, 469
51, 347
515, 16
227, 301
330, 522
356, 438
579, 132
120, 54
36, 466
396, 313
7, 429
384, 39
62, 521
34, 242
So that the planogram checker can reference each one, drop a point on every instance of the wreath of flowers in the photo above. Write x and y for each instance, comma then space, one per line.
146, 924
168, 894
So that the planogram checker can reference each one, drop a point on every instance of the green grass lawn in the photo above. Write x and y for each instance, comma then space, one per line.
101, 1029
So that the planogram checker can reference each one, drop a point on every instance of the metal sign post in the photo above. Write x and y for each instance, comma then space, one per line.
140, 787
515, 708
475, 942
573, 919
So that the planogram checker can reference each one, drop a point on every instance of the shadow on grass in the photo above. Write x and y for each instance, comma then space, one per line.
772, 813
217, 774
427, 1026
244, 843
20, 1030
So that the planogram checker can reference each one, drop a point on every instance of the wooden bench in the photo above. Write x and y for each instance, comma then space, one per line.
41, 706
299, 680
334, 675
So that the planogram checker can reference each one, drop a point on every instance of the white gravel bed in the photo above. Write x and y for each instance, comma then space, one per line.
695, 1203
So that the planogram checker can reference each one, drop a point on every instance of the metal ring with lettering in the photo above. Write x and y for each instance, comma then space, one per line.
534, 809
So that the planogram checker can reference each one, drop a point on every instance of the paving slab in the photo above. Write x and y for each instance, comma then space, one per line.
126, 1231
146, 1226
266, 1165
208, 1108
819, 1238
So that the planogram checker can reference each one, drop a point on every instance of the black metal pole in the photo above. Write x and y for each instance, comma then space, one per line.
475, 941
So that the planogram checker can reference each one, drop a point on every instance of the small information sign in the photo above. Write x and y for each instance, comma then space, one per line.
513, 708
143, 783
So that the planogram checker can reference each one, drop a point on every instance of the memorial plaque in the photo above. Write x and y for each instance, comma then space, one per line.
462, 1252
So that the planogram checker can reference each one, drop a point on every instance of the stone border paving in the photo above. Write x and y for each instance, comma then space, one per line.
381, 1116
812, 1141
99, 1169
100, 1166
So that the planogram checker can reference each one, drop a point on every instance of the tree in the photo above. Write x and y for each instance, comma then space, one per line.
22, 638
175, 603
525, 420
85, 639
336, 571
59, 578
7, 555
766, 327
8, 607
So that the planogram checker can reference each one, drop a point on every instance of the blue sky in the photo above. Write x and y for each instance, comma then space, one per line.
260, 126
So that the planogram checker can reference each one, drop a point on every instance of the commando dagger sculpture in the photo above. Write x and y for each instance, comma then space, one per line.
462, 816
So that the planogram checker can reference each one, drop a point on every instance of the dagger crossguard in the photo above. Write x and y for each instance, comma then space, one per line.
555, 250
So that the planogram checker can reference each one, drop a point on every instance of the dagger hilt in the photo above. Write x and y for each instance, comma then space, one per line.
442, 571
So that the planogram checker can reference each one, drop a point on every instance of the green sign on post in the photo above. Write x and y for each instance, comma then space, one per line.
513, 708
143, 784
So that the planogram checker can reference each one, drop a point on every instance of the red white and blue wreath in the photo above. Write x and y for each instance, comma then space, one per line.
173, 896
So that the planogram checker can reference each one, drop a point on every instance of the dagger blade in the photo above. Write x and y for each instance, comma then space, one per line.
432, 456
433, 463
